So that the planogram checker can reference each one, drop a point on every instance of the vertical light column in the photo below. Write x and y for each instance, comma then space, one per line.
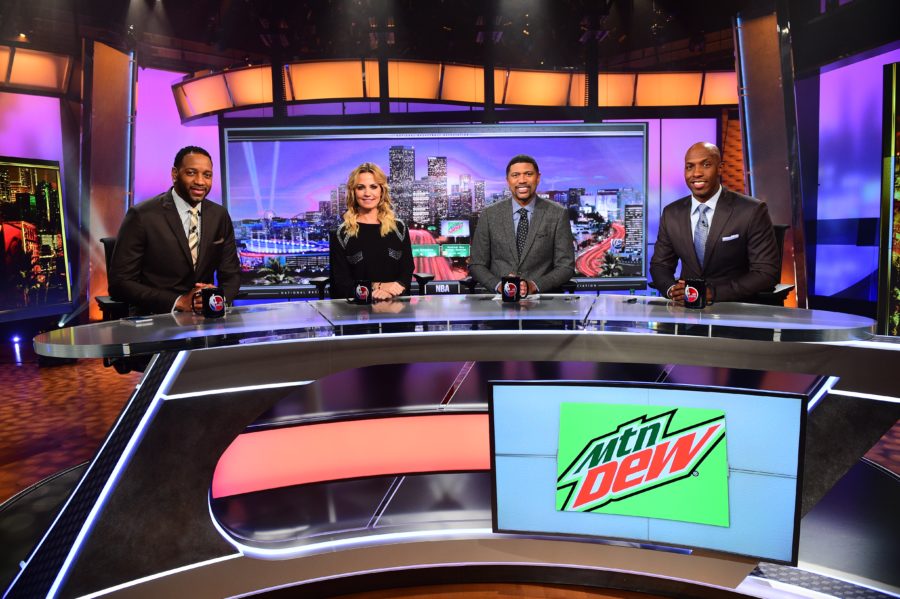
768, 121
106, 150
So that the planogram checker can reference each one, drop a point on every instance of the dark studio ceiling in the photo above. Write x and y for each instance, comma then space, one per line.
548, 34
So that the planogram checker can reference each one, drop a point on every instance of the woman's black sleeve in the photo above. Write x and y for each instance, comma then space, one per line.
342, 281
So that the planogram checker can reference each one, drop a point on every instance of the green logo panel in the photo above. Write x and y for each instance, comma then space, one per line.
646, 461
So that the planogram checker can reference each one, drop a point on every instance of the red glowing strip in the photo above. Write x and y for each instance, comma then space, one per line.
352, 449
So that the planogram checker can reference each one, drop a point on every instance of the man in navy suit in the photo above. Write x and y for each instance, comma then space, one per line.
526, 236
172, 246
739, 257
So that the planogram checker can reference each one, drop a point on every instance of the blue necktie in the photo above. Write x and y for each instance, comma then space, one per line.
700, 233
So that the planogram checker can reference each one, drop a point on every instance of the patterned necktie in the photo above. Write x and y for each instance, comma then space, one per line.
522, 231
700, 233
194, 234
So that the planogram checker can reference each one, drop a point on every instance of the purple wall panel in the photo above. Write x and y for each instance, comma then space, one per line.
30, 127
850, 104
668, 140
159, 135
850, 132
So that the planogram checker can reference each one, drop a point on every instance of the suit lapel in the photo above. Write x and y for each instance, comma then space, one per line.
207, 232
683, 232
724, 208
506, 228
533, 227
174, 221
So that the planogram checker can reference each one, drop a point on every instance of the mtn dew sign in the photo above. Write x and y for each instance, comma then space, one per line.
648, 461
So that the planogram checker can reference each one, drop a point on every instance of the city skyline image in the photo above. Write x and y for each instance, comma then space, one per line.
33, 261
285, 195
290, 177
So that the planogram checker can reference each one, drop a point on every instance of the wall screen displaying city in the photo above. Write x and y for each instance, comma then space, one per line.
285, 190
33, 260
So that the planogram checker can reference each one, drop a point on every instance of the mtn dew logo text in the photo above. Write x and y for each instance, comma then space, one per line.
648, 461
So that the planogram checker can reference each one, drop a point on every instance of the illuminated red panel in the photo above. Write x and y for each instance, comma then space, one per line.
39, 69
352, 449
372, 79
720, 88
668, 89
419, 80
181, 102
326, 80
250, 86
616, 89
463, 83
501, 76
537, 88
4, 62
207, 94
577, 90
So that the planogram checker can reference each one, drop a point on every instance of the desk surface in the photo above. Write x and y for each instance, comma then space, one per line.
633, 314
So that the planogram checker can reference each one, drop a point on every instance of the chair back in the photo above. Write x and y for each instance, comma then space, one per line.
780, 230
778, 295
109, 245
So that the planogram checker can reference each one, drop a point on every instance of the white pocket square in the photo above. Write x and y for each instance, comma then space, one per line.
731, 237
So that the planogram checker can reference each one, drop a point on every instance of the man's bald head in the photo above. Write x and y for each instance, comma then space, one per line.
706, 147
701, 170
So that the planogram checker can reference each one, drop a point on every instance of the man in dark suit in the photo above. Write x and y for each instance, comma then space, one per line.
171, 246
527, 236
718, 235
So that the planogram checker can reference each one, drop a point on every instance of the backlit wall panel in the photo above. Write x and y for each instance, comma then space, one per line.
208, 94
38, 69
30, 127
324, 80
720, 88
849, 186
159, 134
5, 52
536, 88
668, 89
616, 89
667, 143
418, 80
250, 86
372, 79
578, 90
463, 84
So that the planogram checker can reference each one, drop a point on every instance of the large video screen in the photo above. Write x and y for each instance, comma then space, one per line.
286, 188
889, 289
656, 464
34, 266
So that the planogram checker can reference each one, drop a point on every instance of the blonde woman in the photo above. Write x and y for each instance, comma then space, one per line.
371, 244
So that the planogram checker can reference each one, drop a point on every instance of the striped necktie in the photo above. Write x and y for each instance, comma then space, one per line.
701, 231
194, 234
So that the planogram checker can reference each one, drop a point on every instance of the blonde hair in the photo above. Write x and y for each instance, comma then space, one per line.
385, 206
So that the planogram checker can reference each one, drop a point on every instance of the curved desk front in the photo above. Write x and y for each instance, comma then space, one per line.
160, 509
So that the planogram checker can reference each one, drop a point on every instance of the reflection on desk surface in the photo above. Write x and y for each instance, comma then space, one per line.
635, 314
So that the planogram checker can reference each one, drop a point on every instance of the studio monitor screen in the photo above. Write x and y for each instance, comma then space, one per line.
654, 464
286, 189
34, 266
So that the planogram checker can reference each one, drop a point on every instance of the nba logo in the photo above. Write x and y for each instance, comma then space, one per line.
691, 294
362, 293
510, 289
216, 303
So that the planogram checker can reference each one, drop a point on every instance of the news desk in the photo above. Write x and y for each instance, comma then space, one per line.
160, 511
